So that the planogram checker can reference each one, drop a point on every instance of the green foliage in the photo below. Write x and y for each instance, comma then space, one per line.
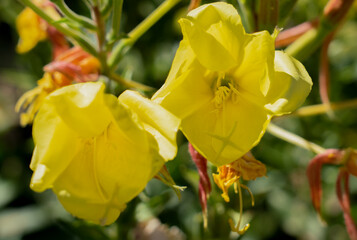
283, 208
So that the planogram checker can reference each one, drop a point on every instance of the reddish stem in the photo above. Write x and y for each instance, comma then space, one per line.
324, 73
336, 10
290, 35
194, 4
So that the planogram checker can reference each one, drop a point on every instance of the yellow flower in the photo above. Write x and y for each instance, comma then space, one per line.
98, 152
225, 85
31, 28
73, 65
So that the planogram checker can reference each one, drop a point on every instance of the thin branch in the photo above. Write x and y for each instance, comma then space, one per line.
294, 139
322, 108
131, 84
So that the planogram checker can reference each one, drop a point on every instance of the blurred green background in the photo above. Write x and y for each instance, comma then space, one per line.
283, 208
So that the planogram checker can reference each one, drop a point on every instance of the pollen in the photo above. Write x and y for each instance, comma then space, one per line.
224, 90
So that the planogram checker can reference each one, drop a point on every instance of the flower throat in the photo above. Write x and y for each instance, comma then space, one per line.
224, 90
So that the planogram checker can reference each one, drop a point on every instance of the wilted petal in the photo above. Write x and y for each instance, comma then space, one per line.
330, 156
344, 200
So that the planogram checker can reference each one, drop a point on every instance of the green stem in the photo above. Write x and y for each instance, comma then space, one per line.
96, 3
101, 39
322, 108
333, 16
130, 84
88, 3
117, 10
245, 16
105, 9
268, 15
138, 31
307, 44
294, 139
78, 37
66, 11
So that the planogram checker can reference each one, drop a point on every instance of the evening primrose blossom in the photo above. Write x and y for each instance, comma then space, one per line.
96, 151
225, 84
73, 65
31, 28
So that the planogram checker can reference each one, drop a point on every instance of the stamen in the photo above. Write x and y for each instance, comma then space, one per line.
250, 193
224, 90
236, 93
221, 94
231, 224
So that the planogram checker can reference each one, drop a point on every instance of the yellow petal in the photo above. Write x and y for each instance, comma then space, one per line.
291, 86
80, 177
257, 67
93, 212
209, 52
102, 175
215, 12
225, 135
158, 121
222, 21
187, 93
123, 163
183, 60
128, 152
82, 107
56, 145
30, 30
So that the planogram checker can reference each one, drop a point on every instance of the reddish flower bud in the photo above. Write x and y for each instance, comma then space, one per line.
204, 187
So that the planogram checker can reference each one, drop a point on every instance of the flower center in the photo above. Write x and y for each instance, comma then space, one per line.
224, 90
